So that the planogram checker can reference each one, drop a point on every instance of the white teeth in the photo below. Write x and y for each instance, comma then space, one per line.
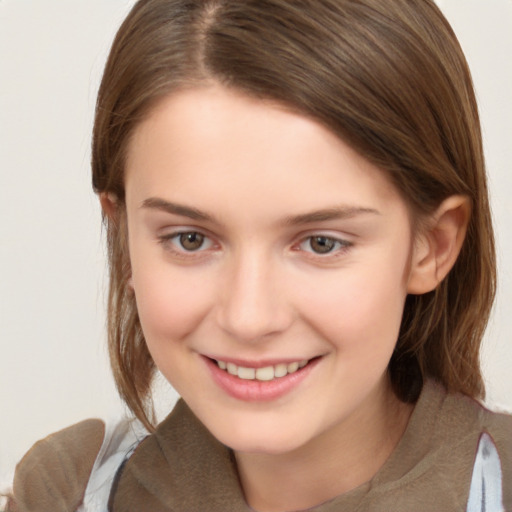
246, 373
280, 370
293, 367
266, 373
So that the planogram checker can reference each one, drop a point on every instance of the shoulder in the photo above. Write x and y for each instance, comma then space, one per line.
465, 415
499, 428
436, 457
53, 475
471, 418
457, 415
470, 415
181, 466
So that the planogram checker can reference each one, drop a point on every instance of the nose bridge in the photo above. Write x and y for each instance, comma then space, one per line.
253, 304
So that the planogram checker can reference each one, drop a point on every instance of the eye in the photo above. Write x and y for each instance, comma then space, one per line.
321, 244
187, 241
191, 241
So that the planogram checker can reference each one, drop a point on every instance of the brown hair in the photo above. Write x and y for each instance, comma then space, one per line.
388, 77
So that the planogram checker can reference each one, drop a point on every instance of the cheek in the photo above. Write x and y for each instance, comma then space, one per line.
170, 304
359, 310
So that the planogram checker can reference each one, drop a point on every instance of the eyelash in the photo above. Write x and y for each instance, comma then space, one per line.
170, 241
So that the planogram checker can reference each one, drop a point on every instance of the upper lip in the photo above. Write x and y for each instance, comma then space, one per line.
262, 363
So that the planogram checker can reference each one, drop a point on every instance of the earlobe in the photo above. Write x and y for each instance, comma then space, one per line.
438, 246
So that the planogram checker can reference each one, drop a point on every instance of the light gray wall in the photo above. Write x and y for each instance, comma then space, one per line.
53, 366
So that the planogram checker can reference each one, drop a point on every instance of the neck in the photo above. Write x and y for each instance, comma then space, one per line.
338, 460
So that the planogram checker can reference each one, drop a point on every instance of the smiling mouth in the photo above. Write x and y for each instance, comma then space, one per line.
265, 374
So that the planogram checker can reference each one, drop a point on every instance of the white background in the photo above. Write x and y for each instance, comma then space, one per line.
53, 364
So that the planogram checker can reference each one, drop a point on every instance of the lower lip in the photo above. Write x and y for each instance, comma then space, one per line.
256, 390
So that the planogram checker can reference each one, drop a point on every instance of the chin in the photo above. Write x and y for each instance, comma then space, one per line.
257, 438
267, 446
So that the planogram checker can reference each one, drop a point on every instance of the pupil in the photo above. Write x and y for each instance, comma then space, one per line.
322, 244
191, 241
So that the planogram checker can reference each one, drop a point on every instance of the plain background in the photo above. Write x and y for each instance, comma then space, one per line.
53, 364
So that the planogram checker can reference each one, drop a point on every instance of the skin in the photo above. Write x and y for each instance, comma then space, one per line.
247, 175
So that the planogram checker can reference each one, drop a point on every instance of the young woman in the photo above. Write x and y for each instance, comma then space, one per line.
300, 242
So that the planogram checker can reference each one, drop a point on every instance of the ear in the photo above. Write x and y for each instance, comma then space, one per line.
438, 245
109, 204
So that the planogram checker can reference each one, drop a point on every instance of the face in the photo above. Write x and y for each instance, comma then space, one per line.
270, 265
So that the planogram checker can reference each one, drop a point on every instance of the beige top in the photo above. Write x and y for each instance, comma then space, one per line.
182, 468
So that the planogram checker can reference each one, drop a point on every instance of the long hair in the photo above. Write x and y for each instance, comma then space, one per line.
389, 78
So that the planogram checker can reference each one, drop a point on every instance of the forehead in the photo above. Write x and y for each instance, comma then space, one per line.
207, 139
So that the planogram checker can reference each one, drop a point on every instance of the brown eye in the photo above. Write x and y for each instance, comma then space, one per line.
191, 241
322, 244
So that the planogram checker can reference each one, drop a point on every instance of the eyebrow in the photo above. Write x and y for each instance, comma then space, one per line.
341, 212
156, 203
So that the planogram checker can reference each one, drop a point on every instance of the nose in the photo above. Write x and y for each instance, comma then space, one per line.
253, 302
